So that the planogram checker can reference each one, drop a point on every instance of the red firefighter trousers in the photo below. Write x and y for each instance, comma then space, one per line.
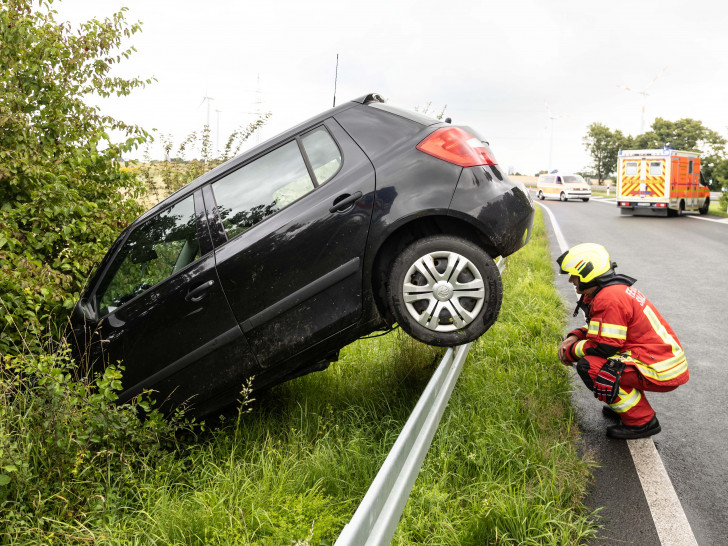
632, 405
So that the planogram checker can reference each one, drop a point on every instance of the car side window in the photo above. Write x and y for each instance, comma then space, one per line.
155, 250
323, 154
261, 188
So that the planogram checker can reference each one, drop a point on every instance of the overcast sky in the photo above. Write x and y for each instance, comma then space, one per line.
531, 76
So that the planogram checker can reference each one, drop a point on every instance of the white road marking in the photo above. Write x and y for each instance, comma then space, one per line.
718, 220
673, 528
671, 523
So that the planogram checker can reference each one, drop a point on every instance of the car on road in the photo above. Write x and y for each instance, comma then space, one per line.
364, 216
563, 187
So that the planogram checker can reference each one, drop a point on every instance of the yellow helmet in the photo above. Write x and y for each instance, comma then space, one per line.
589, 262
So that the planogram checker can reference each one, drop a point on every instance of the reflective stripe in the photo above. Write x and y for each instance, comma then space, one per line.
579, 348
615, 331
627, 400
663, 376
594, 327
671, 367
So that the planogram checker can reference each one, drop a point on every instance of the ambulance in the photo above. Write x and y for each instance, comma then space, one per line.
660, 183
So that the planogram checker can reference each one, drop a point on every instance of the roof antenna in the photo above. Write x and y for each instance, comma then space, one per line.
336, 77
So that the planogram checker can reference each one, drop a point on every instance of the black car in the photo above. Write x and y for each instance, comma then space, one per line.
362, 217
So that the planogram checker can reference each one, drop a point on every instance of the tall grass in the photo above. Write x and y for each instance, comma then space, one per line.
503, 467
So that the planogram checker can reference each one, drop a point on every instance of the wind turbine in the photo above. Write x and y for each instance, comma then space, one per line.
644, 94
217, 134
208, 99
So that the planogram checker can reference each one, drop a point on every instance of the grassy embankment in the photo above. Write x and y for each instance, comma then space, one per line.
503, 467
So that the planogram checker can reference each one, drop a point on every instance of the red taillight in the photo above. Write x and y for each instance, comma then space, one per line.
455, 145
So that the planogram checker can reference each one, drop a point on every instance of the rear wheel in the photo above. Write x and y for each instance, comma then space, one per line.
562, 196
705, 207
444, 290
585, 199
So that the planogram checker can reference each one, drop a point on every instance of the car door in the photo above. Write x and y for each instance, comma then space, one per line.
161, 311
297, 221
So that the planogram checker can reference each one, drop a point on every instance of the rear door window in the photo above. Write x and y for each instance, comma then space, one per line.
323, 154
632, 168
261, 188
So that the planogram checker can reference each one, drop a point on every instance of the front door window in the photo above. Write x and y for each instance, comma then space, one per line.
155, 250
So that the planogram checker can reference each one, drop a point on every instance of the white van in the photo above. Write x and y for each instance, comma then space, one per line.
563, 186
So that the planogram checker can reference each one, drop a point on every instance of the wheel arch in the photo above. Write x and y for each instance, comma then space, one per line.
404, 234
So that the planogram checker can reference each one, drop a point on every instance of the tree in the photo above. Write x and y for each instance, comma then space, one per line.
603, 146
63, 196
688, 135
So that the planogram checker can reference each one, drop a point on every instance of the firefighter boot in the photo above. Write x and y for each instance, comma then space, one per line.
626, 432
609, 413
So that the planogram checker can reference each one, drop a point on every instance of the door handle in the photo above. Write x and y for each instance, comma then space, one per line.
342, 202
196, 294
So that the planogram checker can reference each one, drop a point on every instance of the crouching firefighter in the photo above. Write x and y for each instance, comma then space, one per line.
626, 347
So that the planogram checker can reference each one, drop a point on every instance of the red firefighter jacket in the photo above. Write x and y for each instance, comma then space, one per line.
622, 323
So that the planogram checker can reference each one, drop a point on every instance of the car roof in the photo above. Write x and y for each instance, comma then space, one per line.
265, 146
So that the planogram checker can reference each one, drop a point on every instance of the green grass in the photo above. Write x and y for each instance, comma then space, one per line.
503, 467
717, 209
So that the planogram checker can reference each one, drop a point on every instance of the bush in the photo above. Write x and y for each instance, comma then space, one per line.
63, 195
68, 452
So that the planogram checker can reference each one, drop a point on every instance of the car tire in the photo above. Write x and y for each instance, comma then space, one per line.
585, 199
562, 197
681, 208
706, 205
444, 290
541, 195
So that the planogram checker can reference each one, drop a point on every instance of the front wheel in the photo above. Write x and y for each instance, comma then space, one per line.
540, 195
562, 196
445, 291
705, 207
585, 199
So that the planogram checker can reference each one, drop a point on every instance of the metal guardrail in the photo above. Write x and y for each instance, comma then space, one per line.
376, 519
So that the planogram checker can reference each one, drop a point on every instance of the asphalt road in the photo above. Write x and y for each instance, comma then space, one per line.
681, 265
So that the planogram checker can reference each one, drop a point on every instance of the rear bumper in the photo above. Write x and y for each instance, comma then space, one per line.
642, 208
500, 209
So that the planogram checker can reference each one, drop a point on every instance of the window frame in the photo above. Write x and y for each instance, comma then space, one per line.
215, 222
657, 164
632, 164
203, 237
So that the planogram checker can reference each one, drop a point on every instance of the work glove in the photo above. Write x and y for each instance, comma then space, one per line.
606, 384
